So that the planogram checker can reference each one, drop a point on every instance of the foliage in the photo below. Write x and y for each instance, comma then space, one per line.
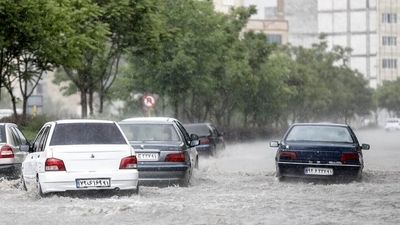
388, 97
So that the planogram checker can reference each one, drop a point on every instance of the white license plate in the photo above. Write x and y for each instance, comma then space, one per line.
318, 171
147, 156
96, 182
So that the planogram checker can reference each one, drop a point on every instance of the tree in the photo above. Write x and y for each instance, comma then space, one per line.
36, 36
388, 97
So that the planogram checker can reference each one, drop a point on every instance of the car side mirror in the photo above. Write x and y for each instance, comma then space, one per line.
365, 146
194, 137
194, 143
274, 144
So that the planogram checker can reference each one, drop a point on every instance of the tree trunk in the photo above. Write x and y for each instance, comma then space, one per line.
91, 112
83, 103
101, 98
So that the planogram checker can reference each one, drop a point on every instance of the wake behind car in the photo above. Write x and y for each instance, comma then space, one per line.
211, 140
75, 155
13, 149
315, 150
166, 152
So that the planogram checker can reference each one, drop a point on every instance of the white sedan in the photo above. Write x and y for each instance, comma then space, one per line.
73, 155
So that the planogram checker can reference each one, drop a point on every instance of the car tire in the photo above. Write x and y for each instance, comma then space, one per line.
23, 184
185, 182
39, 189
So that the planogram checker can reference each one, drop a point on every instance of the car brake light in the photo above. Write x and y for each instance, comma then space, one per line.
175, 157
53, 164
204, 141
6, 152
129, 162
286, 155
349, 156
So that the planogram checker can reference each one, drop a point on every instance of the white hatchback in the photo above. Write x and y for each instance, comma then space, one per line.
73, 155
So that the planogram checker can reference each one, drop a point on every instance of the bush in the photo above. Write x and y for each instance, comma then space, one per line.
29, 126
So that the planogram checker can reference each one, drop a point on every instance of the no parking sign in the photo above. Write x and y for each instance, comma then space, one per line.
149, 101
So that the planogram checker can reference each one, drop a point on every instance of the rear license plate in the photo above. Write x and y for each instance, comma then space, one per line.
95, 182
318, 171
147, 156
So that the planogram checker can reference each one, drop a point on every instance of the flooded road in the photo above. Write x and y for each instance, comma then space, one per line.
237, 187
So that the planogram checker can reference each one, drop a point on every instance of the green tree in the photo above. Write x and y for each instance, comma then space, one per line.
388, 97
36, 36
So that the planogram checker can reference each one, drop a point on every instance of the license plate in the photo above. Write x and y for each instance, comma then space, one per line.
318, 171
147, 156
96, 182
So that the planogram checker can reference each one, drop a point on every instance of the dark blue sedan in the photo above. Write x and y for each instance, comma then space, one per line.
315, 150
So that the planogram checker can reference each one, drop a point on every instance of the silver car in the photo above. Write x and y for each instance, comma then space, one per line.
166, 152
13, 149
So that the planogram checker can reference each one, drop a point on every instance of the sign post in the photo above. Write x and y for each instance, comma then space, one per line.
149, 102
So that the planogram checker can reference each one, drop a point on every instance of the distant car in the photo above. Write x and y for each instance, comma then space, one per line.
75, 155
314, 150
211, 140
13, 149
392, 124
166, 152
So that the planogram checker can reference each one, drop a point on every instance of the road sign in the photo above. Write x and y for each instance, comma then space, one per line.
149, 101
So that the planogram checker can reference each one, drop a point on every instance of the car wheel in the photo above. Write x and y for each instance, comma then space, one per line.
136, 191
186, 180
23, 184
39, 189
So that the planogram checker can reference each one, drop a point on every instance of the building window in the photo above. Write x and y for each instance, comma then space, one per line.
228, 2
389, 41
270, 12
274, 38
389, 63
389, 18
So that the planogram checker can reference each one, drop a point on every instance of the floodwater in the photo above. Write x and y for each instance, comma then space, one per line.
236, 187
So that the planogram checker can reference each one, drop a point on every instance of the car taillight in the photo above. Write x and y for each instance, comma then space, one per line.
6, 152
53, 164
129, 162
287, 155
349, 157
175, 157
204, 141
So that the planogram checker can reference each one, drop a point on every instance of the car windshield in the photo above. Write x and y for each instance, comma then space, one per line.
87, 133
199, 129
2, 134
150, 132
320, 133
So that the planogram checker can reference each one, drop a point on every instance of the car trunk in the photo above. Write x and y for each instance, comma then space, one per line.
91, 158
159, 149
323, 152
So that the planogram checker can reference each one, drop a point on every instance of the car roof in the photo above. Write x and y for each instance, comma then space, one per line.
321, 124
197, 124
167, 120
82, 121
9, 124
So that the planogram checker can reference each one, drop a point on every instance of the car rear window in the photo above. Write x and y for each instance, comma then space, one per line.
2, 134
150, 132
320, 133
87, 133
200, 130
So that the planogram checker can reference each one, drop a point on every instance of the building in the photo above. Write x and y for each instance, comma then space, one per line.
302, 17
269, 19
352, 24
388, 32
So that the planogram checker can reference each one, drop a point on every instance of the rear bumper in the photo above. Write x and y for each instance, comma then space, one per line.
162, 173
66, 181
204, 149
339, 171
9, 168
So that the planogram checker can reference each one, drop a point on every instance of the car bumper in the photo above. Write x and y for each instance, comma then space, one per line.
9, 168
65, 181
162, 173
204, 149
298, 170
